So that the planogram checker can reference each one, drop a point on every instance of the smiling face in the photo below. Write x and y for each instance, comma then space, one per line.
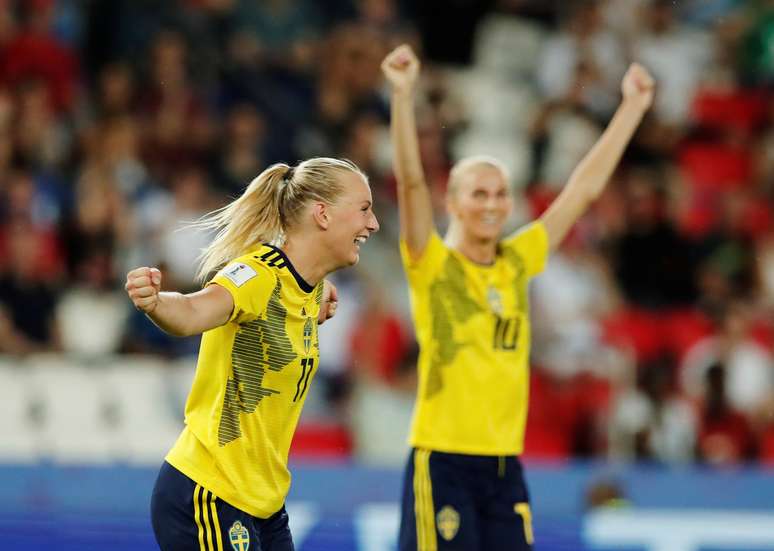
480, 201
352, 220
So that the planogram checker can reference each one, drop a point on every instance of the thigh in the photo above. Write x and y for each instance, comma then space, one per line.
188, 517
506, 522
275, 532
437, 512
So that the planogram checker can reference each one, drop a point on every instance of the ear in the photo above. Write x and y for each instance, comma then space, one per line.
321, 215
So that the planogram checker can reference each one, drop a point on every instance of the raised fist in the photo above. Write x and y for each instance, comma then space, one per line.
638, 86
401, 67
143, 286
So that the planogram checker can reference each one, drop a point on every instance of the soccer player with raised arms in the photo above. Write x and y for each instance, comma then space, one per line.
464, 487
224, 482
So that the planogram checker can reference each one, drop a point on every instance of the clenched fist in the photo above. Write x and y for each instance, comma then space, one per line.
143, 286
638, 86
401, 67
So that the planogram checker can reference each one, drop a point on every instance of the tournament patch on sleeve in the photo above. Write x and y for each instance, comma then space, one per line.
239, 273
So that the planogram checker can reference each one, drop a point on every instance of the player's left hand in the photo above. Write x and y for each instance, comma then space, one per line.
330, 300
638, 86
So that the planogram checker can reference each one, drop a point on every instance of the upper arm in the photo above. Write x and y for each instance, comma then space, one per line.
249, 285
424, 265
212, 307
416, 220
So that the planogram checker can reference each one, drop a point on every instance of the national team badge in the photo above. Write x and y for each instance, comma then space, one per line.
448, 522
494, 300
307, 335
239, 537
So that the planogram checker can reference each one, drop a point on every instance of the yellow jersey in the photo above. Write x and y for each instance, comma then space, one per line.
472, 325
251, 381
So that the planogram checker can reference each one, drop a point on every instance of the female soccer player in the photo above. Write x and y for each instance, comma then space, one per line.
224, 482
464, 488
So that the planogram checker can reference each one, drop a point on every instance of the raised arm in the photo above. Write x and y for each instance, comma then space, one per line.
401, 67
175, 313
592, 174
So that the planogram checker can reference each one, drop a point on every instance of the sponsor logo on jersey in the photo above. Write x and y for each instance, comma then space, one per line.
239, 273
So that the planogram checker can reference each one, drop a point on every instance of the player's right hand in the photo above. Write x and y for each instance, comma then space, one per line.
401, 67
143, 286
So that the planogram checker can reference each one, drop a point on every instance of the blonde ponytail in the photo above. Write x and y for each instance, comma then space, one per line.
270, 205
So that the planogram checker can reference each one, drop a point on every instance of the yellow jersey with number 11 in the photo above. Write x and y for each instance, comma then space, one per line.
472, 325
251, 380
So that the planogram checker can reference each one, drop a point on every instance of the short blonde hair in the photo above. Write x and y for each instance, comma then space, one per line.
269, 207
463, 165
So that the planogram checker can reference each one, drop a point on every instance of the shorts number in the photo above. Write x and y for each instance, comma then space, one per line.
522, 509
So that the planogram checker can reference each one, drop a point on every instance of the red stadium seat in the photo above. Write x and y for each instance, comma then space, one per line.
548, 431
637, 329
715, 167
683, 328
321, 440
739, 109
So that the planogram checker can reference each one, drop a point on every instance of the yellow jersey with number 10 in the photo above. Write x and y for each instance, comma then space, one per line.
472, 325
250, 384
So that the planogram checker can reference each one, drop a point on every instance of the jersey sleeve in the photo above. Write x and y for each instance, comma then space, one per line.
424, 268
531, 244
250, 283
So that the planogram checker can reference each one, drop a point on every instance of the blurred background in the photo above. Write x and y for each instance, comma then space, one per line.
651, 421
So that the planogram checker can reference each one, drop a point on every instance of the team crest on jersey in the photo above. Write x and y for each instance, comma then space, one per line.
448, 522
495, 300
239, 537
308, 327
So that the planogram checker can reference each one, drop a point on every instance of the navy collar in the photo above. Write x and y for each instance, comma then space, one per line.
300, 280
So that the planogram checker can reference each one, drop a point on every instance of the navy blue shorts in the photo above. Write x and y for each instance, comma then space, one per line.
188, 517
464, 502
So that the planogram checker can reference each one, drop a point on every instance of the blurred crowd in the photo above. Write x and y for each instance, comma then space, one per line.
653, 335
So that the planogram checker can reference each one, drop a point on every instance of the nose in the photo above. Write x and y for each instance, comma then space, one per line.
373, 224
491, 202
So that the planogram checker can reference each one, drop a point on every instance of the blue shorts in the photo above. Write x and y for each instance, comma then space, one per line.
464, 502
188, 517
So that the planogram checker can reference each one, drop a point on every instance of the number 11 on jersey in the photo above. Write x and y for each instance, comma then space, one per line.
307, 365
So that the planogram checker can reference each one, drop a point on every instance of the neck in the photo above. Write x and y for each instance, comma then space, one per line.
305, 256
480, 251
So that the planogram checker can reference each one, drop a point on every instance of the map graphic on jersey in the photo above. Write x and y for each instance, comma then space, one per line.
450, 301
514, 259
259, 345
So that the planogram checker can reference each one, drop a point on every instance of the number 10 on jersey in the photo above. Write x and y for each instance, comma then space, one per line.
506, 333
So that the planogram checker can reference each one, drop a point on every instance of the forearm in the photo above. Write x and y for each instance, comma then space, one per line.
415, 207
403, 129
175, 314
594, 171
592, 174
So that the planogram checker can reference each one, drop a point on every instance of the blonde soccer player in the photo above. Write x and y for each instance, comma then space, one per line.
464, 487
224, 482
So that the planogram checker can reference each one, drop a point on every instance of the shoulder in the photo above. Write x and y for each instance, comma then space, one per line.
528, 246
248, 268
434, 252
